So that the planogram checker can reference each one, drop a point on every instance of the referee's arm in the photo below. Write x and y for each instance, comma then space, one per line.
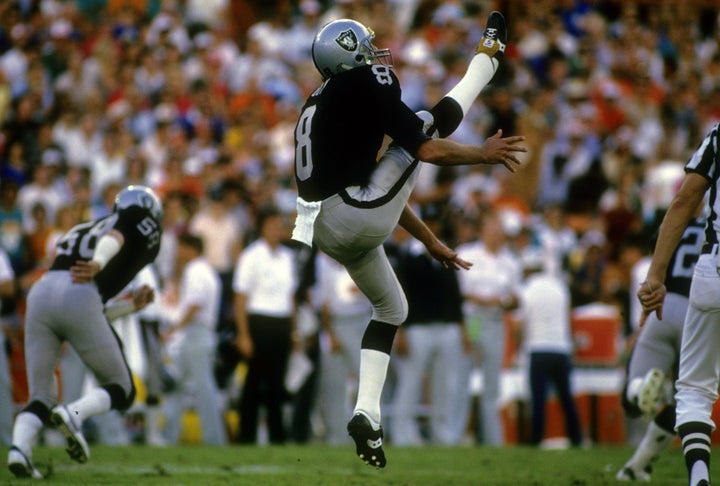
682, 209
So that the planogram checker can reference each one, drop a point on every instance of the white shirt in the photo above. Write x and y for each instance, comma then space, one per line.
106, 169
80, 147
14, 64
267, 278
32, 194
545, 311
200, 285
220, 235
492, 275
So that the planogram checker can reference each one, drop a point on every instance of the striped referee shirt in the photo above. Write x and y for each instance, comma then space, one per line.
706, 162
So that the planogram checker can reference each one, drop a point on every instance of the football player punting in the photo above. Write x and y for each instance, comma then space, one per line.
349, 202
94, 261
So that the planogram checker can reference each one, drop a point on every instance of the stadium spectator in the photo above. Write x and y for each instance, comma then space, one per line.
222, 241
265, 281
191, 343
489, 289
544, 312
40, 190
431, 341
586, 279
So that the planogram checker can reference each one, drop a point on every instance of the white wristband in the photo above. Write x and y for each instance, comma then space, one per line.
106, 248
119, 309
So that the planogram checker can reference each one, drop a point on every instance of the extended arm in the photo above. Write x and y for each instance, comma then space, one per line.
495, 150
419, 230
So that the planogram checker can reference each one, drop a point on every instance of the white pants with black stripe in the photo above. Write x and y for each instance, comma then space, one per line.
352, 227
699, 373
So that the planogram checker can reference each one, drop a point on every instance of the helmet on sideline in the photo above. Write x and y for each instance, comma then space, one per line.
139, 196
346, 44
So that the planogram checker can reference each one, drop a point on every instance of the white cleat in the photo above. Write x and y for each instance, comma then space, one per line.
651, 392
75, 443
629, 473
20, 465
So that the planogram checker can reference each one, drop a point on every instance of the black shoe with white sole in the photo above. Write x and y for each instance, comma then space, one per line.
368, 440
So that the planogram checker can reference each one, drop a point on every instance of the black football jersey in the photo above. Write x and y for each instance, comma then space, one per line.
682, 263
341, 130
142, 243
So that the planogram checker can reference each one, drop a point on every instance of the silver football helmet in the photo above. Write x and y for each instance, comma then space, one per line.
139, 196
346, 44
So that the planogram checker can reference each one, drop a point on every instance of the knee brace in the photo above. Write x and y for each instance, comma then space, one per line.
39, 409
119, 398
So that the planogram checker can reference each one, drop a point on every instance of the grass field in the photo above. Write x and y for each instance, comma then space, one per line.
321, 465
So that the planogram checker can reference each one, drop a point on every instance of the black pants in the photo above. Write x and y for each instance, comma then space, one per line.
265, 381
552, 369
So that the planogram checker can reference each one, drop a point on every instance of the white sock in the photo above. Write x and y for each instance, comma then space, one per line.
373, 370
479, 73
652, 443
94, 403
25, 431
699, 472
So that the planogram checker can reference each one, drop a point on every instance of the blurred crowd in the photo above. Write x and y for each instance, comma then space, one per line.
198, 100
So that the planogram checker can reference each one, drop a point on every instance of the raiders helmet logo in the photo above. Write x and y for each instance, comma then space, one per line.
146, 201
347, 40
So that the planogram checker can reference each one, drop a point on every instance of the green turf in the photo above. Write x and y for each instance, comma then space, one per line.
320, 465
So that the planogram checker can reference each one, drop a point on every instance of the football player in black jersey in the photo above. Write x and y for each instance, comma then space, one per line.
94, 261
655, 357
349, 202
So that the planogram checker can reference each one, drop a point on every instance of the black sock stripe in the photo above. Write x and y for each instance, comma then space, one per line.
379, 336
666, 419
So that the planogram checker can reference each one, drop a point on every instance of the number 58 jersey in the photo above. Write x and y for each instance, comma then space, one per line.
142, 243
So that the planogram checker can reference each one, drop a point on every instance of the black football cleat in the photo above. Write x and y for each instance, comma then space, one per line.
495, 36
368, 440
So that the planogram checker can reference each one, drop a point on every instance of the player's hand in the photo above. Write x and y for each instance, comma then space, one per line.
446, 256
500, 150
143, 296
245, 346
84, 271
652, 297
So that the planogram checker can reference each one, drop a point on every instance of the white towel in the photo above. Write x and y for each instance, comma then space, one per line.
305, 220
